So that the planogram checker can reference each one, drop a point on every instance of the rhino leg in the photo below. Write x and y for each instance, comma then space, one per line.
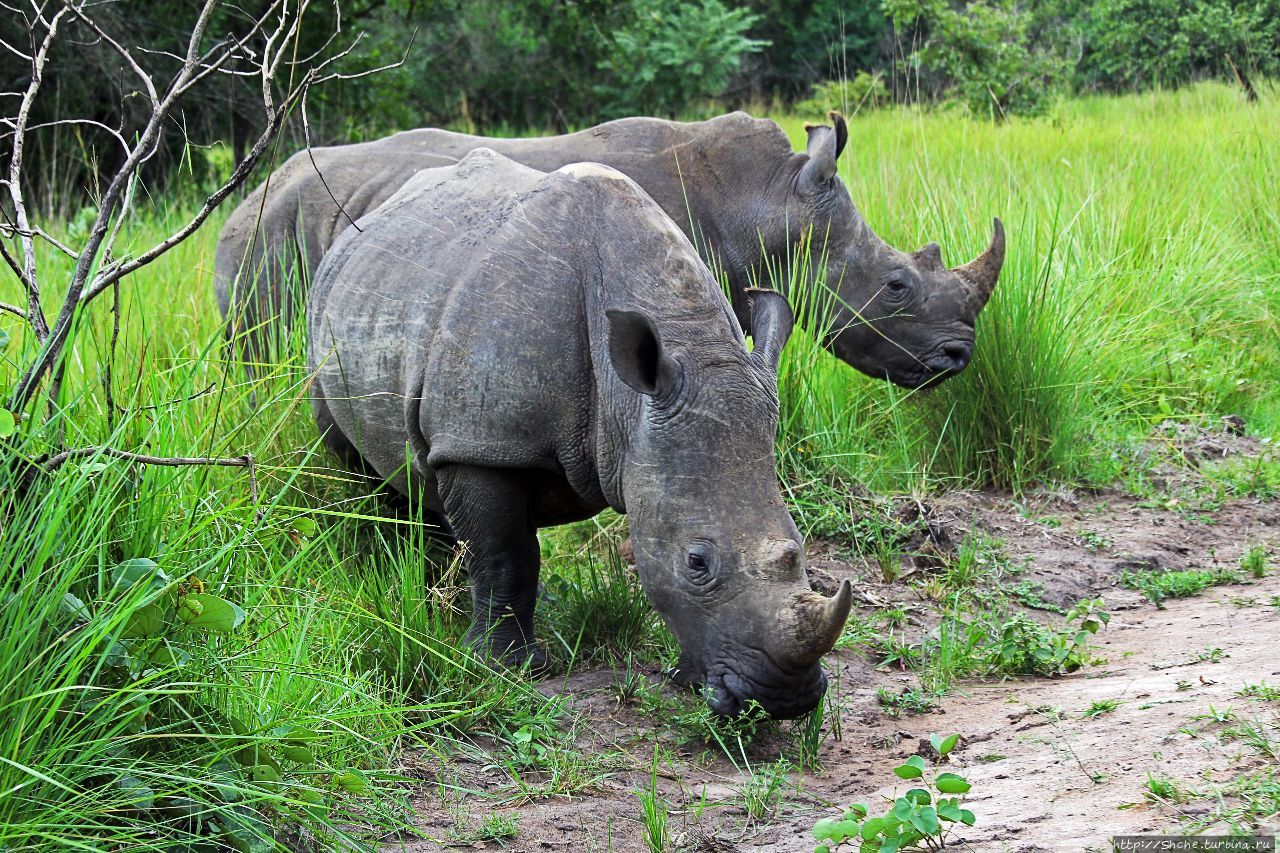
489, 510
333, 438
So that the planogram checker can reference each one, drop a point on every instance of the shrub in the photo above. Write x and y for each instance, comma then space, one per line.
670, 54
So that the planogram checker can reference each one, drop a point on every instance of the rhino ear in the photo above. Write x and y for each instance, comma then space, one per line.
824, 148
637, 353
771, 324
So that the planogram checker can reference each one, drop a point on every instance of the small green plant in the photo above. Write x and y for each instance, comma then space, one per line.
1184, 685
1262, 691
920, 819
1093, 541
493, 827
1210, 654
1024, 646
864, 92
1031, 594
908, 700
763, 791
809, 735
1100, 707
1216, 716
1254, 562
1157, 586
653, 810
1164, 789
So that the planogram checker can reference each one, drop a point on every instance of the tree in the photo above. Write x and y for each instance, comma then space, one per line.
218, 41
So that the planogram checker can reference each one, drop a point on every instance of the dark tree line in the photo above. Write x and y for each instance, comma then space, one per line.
498, 66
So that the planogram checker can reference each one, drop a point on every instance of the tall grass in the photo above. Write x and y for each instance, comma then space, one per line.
1143, 281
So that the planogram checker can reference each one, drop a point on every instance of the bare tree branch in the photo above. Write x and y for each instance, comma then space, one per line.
57, 460
13, 309
35, 316
268, 41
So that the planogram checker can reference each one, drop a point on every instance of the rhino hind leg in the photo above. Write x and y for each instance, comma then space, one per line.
490, 511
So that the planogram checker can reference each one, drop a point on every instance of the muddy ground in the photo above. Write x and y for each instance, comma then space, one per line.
1046, 776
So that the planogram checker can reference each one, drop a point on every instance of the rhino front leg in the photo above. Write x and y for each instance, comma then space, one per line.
489, 509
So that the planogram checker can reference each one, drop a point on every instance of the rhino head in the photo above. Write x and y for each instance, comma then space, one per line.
905, 317
718, 555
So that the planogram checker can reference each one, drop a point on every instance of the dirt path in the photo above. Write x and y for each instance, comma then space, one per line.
1046, 775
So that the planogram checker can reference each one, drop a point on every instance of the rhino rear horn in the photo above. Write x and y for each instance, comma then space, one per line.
983, 272
825, 145
771, 324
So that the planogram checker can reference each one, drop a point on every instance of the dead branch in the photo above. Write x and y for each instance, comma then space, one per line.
268, 42
35, 316
52, 463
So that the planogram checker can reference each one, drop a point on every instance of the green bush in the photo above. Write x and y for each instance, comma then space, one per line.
982, 54
864, 92
670, 53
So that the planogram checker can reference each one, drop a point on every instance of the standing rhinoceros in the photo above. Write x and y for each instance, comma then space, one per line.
732, 184
525, 349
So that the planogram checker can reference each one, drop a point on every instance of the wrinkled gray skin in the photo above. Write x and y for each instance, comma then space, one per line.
732, 184
534, 372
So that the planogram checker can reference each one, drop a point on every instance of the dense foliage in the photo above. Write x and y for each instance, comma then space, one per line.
494, 66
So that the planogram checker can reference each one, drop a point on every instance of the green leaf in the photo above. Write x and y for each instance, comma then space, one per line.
73, 609
824, 828
140, 571
147, 621
926, 820
8, 425
872, 828
312, 802
949, 811
207, 611
300, 754
903, 809
265, 773
913, 769
856, 810
950, 783
967, 817
944, 745
918, 796
245, 831
353, 782
299, 735
4, 339
137, 794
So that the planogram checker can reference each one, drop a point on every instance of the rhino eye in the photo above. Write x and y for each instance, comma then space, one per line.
701, 563
896, 288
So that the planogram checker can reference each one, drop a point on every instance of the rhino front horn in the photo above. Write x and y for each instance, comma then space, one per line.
819, 622
983, 272
837, 612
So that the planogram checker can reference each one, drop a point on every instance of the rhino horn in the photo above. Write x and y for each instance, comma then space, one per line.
824, 148
820, 622
983, 272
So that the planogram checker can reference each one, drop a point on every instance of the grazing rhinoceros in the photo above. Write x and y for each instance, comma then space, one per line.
523, 349
732, 184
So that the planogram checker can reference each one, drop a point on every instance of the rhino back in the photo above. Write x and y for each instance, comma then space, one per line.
464, 322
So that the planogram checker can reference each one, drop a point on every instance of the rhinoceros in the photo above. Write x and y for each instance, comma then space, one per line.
733, 185
480, 345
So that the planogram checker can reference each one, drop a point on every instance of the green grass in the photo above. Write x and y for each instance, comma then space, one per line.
1141, 284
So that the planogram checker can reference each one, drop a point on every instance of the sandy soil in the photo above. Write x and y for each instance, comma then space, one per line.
1045, 776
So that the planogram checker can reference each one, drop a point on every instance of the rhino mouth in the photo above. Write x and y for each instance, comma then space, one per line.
730, 692
938, 365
